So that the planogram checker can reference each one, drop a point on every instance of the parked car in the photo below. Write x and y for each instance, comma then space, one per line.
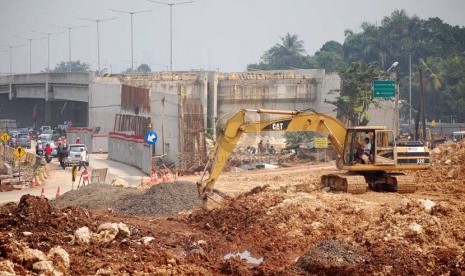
49, 135
74, 154
52, 145
23, 140
13, 137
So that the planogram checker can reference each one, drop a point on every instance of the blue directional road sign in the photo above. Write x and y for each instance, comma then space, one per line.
151, 137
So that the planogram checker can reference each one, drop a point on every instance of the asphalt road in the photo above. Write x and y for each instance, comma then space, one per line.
59, 178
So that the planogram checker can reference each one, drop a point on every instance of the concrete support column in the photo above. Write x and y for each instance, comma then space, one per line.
10, 95
212, 110
204, 98
48, 113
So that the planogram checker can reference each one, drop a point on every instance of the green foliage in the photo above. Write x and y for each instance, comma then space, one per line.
76, 66
144, 68
289, 54
435, 46
356, 93
298, 138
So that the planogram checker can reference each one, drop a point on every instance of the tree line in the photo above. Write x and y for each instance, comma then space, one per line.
436, 51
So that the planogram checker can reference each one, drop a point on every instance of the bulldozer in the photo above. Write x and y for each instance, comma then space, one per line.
381, 170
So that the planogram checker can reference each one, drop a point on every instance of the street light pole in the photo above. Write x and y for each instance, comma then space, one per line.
396, 104
98, 35
30, 49
131, 13
69, 42
11, 54
410, 89
171, 25
48, 46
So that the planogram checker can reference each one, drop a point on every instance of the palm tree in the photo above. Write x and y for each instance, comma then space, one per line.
289, 53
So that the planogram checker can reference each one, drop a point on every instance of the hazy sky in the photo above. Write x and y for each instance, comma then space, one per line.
207, 34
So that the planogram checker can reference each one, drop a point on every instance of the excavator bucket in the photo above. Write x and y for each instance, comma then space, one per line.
212, 201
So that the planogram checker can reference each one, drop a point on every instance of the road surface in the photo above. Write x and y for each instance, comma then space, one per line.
59, 178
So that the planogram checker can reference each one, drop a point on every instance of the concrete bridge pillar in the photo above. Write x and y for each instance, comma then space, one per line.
48, 113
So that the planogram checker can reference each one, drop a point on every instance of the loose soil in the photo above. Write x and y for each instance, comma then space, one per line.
277, 215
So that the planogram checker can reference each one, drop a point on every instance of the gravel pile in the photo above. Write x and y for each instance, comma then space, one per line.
95, 197
161, 200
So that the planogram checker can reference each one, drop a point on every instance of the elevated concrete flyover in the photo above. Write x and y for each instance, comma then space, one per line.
45, 98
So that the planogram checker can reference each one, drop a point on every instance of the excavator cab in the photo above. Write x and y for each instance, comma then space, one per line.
381, 148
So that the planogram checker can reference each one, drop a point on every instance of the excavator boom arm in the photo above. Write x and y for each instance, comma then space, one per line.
295, 121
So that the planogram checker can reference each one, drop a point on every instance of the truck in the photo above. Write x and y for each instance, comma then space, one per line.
382, 171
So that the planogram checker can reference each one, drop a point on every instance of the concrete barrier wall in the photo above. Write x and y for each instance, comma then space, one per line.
130, 149
100, 143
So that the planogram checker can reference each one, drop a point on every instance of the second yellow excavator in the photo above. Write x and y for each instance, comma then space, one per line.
381, 169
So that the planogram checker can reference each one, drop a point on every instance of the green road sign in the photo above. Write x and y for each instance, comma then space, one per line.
384, 89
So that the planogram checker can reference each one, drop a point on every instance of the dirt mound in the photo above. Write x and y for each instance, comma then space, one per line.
331, 257
161, 200
447, 167
95, 197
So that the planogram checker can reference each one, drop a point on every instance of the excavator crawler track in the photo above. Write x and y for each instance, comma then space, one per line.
404, 184
354, 184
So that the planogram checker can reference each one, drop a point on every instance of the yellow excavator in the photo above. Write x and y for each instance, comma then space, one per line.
380, 170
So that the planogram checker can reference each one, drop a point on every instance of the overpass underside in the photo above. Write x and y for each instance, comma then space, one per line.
51, 112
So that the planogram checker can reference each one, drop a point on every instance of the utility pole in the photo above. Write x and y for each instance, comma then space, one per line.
171, 25
131, 13
48, 46
98, 35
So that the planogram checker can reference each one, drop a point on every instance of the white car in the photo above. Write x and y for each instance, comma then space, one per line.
49, 135
74, 155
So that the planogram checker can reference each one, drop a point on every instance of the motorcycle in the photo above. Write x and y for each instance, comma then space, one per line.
48, 158
63, 158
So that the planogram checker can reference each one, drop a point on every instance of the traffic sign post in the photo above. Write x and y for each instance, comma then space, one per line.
19, 152
384, 89
151, 137
320, 143
5, 138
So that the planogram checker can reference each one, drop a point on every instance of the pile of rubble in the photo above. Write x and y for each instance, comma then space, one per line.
163, 199
446, 173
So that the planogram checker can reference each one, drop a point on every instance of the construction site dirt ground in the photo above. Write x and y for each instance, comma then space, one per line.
277, 222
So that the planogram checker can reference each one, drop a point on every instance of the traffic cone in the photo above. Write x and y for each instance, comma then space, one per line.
42, 193
33, 182
57, 196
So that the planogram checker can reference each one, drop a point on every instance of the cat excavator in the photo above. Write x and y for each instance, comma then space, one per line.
381, 171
